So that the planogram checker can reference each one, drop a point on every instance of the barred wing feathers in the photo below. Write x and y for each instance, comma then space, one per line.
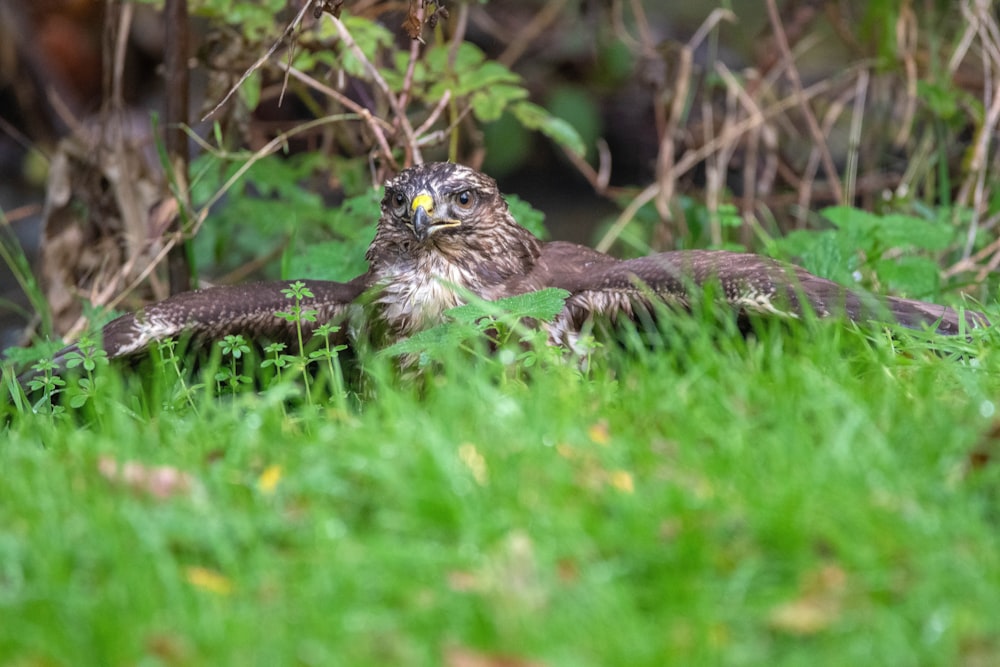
602, 285
213, 313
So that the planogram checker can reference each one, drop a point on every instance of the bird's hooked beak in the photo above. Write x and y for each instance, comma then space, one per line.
425, 222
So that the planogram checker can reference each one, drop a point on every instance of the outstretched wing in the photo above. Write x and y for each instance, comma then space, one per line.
211, 314
601, 285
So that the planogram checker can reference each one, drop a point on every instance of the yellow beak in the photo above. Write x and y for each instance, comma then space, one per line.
422, 199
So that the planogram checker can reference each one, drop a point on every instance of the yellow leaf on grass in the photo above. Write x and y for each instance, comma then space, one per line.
599, 433
474, 461
209, 580
269, 479
622, 480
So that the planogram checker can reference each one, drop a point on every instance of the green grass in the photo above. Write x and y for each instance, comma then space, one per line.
801, 498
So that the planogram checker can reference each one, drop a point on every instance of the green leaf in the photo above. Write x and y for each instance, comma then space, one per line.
308, 60
823, 253
488, 80
250, 90
906, 231
488, 105
443, 337
850, 219
535, 117
489, 74
333, 260
577, 105
527, 216
869, 232
370, 37
466, 58
941, 98
917, 277
341, 258
542, 305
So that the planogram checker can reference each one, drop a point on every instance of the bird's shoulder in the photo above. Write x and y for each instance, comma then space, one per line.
570, 266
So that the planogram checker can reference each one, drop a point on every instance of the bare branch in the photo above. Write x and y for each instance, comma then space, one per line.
288, 32
793, 76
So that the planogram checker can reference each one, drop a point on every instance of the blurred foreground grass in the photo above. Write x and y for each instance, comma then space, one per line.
807, 496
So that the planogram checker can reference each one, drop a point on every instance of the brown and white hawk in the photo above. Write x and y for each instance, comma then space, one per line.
445, 230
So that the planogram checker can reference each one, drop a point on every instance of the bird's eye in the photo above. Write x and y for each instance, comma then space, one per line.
398, 202
465, 199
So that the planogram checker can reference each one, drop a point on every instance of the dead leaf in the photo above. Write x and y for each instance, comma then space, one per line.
599, 432
169, 649
474, 461
979, 651
332, 7
568, 570
462, 581
510, 572
96, 234
985, 451
439, 14
458, 656
208, 580
161, 482
565, 451
621, 480
817, 606
412, 25
593, 476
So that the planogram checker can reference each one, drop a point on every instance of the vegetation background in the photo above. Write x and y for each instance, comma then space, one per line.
812, 494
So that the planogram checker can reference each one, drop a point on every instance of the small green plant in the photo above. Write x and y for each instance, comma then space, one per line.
891, 252
276, 359
297, 292
233, 346
331, 355
50, 385
500, 325
89, 356
166, 350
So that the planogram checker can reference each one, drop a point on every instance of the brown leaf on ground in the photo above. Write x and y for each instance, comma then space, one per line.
463, 581
510, 572
985, 451
816, 607
161, 482
168, 648
458, 656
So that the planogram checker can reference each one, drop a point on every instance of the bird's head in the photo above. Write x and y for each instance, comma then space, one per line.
440, 200
446, 214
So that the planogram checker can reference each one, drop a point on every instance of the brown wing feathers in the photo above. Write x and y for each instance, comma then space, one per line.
748, 282
213, 313
444, 225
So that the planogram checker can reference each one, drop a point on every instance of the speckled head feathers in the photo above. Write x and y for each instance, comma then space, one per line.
439, 178
452, 212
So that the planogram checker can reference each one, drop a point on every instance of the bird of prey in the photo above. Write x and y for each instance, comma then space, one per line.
445, 231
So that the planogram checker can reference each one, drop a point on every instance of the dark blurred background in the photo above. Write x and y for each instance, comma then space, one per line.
604, 66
